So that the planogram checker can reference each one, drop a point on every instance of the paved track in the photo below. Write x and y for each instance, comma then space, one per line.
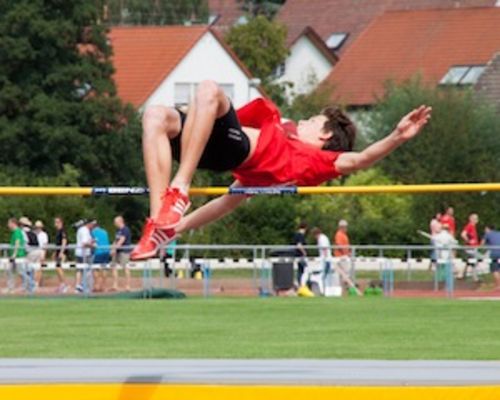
266, 372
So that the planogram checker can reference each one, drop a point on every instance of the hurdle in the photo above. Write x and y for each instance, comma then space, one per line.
254, 191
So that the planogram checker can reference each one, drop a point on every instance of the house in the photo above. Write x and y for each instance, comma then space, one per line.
309, 62
164, 64
488, 84
225, 13
445, 47
340, 22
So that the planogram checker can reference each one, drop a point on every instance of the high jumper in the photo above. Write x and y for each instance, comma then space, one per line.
255, 145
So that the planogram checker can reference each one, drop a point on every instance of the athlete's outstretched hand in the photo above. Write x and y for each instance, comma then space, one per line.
411, 124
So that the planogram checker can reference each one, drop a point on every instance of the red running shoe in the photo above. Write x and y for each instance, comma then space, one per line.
151, 240
175, 204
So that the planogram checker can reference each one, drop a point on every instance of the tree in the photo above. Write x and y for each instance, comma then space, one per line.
154, 12
261, 7
261, 45
58, 102
461, 144
372, 219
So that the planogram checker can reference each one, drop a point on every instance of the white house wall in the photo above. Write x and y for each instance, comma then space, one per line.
206, 60
305, 67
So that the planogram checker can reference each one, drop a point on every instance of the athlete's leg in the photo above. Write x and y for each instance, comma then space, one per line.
210, 103
159, 124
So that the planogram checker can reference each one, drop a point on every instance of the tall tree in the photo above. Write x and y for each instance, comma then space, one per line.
461, 144
154, 12
261, 45
58, 102
261, 7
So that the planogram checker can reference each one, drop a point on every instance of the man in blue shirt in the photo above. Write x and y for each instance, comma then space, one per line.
492, 238
101, 255
120, 251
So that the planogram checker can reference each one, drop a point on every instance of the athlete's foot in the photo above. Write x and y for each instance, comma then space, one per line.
175, 204
151, 240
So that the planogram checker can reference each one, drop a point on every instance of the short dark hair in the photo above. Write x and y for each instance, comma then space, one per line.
303, 225
342, 128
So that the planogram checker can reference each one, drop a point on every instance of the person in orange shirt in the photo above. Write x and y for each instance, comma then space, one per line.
342, 239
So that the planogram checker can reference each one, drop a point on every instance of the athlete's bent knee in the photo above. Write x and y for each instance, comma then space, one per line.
159, 119
208, 94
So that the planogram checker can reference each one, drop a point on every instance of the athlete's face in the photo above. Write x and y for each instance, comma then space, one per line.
311, 131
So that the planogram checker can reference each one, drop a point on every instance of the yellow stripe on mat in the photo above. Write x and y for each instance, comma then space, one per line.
207, 392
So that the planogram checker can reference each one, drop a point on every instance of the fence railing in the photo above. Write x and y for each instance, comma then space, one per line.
384, 259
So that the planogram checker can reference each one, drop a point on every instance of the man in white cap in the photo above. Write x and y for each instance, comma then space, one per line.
43, 238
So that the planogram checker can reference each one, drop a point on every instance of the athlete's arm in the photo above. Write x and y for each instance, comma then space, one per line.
409, 127
210, 212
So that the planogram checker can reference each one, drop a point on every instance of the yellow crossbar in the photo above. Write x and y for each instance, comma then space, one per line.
217, 191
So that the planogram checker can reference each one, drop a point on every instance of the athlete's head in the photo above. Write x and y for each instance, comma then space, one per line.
330, 130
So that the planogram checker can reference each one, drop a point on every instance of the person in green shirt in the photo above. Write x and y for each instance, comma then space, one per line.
17, 250
17, 241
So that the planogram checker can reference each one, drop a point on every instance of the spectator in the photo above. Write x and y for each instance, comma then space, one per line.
299, 241
324, 245
17, 251
43, 239
492, 238
83, 251
434, 228
61, 253
341, 239
471, 238
165, 254
448, 218
444, 242
120, 251
435, 225
34, 253
101, 255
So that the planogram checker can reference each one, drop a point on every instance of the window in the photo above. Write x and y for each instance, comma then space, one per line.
280, 70
463, 75
336, 40
228, 89
184, 92
472, 76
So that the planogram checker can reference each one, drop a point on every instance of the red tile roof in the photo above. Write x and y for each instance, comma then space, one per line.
144, 56
400, 44
352, 16
228, 12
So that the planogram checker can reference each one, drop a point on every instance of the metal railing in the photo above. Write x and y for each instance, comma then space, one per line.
385, 258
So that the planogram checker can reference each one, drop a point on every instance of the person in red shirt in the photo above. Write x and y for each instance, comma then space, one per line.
448, 219
471, 238
255, 145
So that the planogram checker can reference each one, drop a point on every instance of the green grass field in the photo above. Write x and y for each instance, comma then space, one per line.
251, 328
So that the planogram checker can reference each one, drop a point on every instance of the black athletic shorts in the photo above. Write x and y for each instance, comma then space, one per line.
227, 147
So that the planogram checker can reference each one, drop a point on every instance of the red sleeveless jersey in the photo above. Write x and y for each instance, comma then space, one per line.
279, 158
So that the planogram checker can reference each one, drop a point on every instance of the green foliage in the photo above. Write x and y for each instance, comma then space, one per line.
372, 219
57, 99
153, 12
261, 45
461, 144
267, 8
305, 106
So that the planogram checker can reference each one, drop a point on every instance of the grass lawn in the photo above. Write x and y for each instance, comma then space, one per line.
251, 328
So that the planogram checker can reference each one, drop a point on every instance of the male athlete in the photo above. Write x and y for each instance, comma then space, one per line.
255, 145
